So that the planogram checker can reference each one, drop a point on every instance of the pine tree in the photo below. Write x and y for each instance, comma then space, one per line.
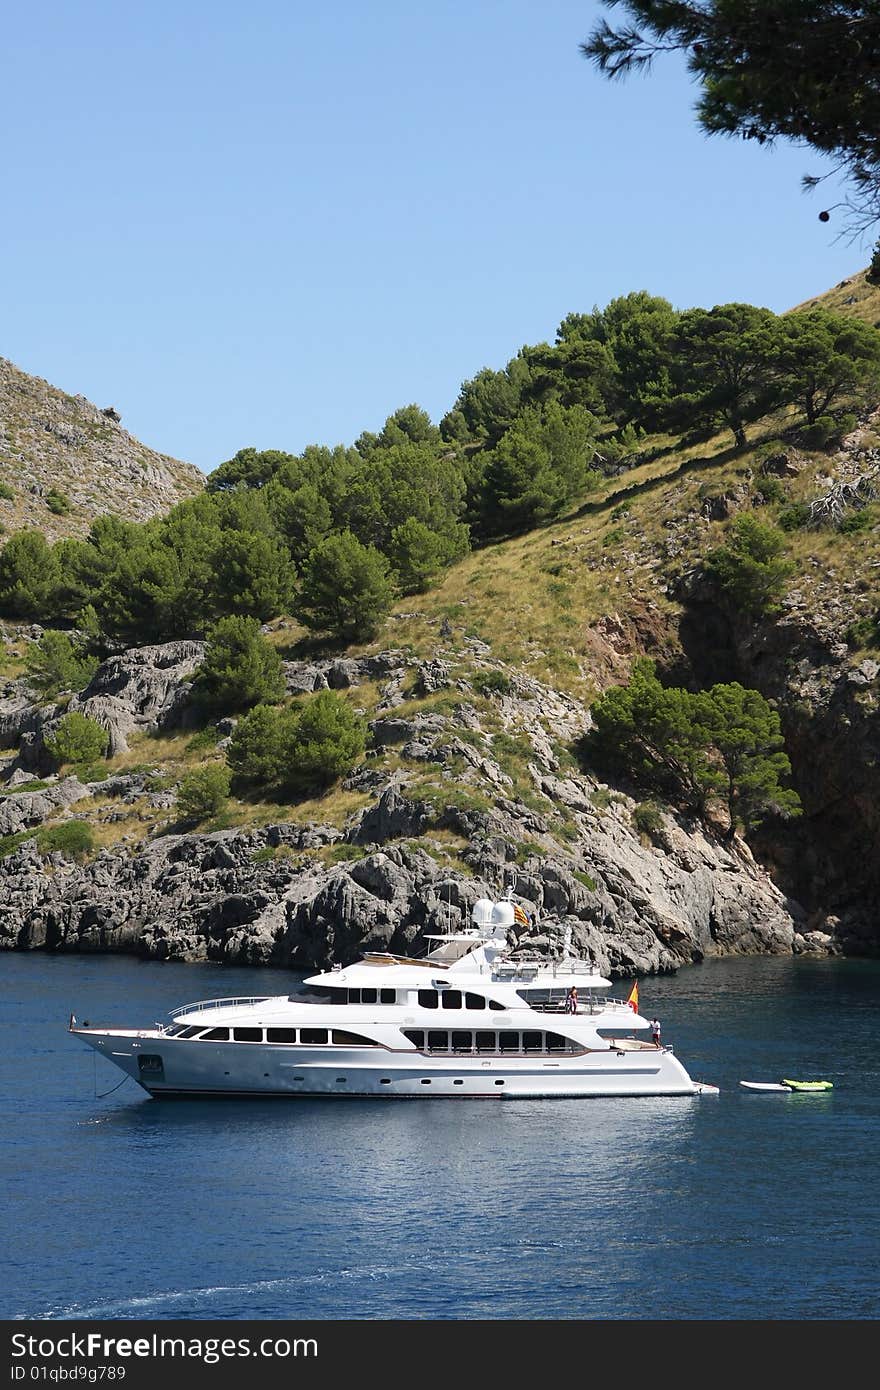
346, 589
751, 569
240, 669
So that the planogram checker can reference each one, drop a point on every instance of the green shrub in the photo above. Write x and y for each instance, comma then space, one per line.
254, 752
828, 430
326, 739
770, 449
491, 683
77, 739
35, 785
648, 818
751, 568
72, 838
341, 853
59, 662
864, 632
861, 520
6, 492
266, 855
297, 749
512, 751
203, 793
614, 536
449, 795
794, 517
847, 423
206, 738
527, 849
585, 879
241, 669
10, 843
91, 772
58, 502
772, 490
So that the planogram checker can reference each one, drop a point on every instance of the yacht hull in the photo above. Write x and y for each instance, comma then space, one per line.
169, 1067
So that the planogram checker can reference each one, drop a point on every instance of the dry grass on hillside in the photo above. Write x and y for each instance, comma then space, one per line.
854, 296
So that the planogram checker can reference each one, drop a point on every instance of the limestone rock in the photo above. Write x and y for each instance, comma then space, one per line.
22, 810
146, 688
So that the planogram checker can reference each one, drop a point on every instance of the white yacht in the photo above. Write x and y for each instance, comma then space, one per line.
465, 1021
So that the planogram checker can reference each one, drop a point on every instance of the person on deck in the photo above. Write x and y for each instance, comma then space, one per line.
571, 1003
655, 1031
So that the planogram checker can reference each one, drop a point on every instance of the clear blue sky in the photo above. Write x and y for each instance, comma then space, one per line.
275, 223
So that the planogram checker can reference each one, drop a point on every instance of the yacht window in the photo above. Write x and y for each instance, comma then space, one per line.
544, 999
369, 996
340, 1036
462, 1042
533, 1042
474, 1001
313, 1035
173, 1030
190, 1032
493, 1004
487, 1042
451, 999
428, 998
556, 1043
354, 996
438, 1042
509, 1042
281, 1035
323, 994
215, 1035
247, 1034
387, 996
416, 1036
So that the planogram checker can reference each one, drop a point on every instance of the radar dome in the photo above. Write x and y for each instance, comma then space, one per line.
502, 914
481, 916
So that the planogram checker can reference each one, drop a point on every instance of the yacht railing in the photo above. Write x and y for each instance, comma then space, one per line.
528, 969
202, 1005
585, 1006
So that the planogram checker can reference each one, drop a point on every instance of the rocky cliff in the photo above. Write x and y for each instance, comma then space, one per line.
64, 462
463, 794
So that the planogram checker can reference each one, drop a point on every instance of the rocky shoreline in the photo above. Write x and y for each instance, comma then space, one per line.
413, 859
241, 898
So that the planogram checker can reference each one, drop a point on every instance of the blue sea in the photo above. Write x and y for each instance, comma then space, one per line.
739, 1206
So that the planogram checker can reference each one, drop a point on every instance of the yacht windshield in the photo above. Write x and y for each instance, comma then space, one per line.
453, 950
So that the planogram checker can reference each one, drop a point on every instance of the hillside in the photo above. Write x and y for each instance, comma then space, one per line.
52, 443
477, 698
855, 296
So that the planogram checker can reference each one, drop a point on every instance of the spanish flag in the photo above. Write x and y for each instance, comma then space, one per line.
520, 915
633, 999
